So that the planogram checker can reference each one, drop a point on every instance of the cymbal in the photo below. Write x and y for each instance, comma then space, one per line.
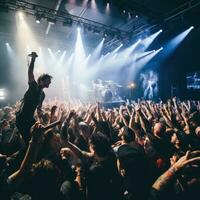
117, 85
108, 81
100, 86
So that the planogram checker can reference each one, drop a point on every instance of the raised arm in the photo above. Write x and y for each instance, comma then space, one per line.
99, 114
31, 77
30, 156
163, 181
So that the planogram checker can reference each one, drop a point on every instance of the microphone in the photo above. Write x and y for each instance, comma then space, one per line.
33, 55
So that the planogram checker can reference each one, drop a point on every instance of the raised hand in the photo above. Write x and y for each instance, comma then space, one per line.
188, 158
36, 132
33, 55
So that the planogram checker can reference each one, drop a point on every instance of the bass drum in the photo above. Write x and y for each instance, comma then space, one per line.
107, 95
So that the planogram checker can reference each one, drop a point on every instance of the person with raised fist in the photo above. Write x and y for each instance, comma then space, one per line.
32, 100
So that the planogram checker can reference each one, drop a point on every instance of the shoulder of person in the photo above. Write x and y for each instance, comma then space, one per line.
33, 84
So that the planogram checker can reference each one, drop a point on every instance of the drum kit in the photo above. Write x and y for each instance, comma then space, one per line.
106, 90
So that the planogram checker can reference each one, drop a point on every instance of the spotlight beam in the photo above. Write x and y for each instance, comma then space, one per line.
171, 46
149, 40
97, 51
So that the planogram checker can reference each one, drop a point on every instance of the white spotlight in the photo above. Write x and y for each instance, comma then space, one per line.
7, 44
161, 48
21, 15
107, 8
191, 27
2, 94
161, 31
78, 29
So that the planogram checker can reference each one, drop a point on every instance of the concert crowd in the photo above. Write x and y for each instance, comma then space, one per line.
56, 150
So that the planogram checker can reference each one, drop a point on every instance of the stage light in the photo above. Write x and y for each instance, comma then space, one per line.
146, 42
161, 48
107, 8
79, 52
37, 21
38, 18
9, 50
93, 5
132, 85
117, 49
142, 55
171, 46
2, 94
21, 15
160, 31
78, 29
105, 33
136, 16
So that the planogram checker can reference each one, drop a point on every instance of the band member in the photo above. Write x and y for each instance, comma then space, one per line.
32, 100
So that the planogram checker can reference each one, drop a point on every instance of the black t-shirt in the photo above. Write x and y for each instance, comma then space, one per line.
162, 146
104, 181
33, 98
134, 161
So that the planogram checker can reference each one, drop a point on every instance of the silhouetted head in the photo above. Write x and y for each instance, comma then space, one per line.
44, 80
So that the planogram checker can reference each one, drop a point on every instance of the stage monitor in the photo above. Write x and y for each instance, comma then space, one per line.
193, 80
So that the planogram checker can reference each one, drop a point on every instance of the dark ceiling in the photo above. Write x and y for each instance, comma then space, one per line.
126, 19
